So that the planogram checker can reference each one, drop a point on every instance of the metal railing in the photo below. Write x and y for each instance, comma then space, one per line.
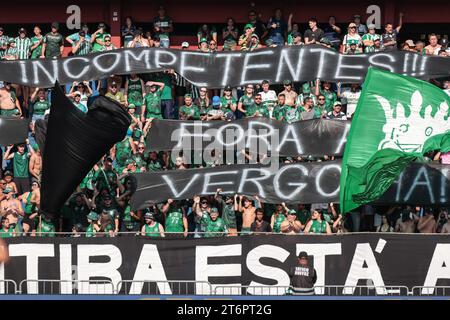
187, 287
8, 287
169, 287
54, 286
431, 291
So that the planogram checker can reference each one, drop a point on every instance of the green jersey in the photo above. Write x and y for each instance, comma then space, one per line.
47, 229
106, 179
213, 228
154, 165
36, 52
192, 111
4, 40
292, 114
81, 107
278, 220
123, 152
130, 222
90, 231
278, 112
23, 46
263, 110
330, 98
39, 107
97, 47
20, 165
174, 221
226, 103
229, 216
247, 102
153, 104
29, 207
318, 227
87, 182
152, 231
53, 42
135, 92
6, 233
303, 216
369, 36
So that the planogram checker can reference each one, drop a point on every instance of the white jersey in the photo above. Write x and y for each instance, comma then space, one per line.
352, 101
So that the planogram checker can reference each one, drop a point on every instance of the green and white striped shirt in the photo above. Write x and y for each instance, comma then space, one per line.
23, 46
3, 42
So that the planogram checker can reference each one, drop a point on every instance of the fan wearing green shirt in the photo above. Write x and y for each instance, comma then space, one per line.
46, 228
97, 38
151, 108
93, 226
277, 113
40, 104
215, 226
369, 38
176, 221
53, 43
189, 111
6, 231
151, 228
36, 43
330, 95
134, 91
227, 101
247, 101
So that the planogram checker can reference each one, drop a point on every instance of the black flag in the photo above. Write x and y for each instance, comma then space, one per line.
75, 142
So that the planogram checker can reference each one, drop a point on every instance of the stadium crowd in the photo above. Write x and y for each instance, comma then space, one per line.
101, 204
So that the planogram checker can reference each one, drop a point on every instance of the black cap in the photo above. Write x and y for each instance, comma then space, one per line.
22, 30
106, 197
303, 254
101, 25
296, 34
227, 88
1, 29
7, 174
82, 33
55, 25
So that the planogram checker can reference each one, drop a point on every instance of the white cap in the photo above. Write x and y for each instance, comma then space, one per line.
185, 44
77, 92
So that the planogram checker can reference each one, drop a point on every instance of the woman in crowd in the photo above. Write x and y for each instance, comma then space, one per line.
230, 36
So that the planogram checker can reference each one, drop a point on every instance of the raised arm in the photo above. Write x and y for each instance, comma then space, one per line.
400, 22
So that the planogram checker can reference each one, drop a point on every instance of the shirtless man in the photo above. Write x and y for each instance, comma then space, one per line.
248, 213
433, 48
9, 104
427, 223
407, 222
35, 164
10, 204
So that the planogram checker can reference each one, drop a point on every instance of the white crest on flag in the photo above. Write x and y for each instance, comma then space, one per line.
409, 133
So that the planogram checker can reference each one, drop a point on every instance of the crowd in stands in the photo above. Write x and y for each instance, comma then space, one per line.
101, 204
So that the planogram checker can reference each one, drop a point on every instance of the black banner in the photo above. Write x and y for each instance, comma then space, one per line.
309, 182
297, 63
13, 130
352, 259
299, 138
74, 142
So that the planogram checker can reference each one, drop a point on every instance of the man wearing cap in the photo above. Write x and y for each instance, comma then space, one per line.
81, 44
351, 38
337, 113
189, 111
151, 228
246, 39
203, 45
215, 226
291, 225
296, 39
4, 40
389, 37
289, 93
106, 177
93, 226
23, 44
303, 276
163, 26
115, 94
53, 43
97, 38
76, 100
11, 52
184, 45
368, 39
227, 101
360, 28
306, 92
229, 207
215, 112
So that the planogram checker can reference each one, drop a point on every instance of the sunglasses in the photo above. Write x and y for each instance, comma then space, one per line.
258, 98
141, 148
321, 99
353, 28
212, 44
202, 90
204, 202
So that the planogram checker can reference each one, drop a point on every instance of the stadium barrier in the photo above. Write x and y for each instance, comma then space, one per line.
191, 288
54, 286
175, 287
430, 291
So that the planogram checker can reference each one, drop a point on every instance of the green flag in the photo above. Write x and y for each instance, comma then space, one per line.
397, 120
